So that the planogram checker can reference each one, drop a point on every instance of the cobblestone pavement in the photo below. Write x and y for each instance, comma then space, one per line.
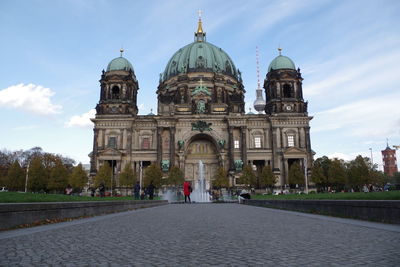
203, 235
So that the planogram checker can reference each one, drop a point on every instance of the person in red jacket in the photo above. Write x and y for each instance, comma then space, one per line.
187, 189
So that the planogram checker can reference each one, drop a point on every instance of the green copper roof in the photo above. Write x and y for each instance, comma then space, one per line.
199, 56
281, 62
119, 63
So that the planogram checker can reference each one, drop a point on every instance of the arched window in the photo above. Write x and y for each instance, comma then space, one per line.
287, 90
115, 92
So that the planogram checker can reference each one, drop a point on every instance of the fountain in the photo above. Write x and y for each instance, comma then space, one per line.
200, 193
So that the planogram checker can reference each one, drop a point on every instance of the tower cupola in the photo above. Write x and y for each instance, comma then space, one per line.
119, 88
283, 87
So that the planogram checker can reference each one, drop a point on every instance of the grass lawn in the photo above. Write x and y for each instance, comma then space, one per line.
389, 195
15, 197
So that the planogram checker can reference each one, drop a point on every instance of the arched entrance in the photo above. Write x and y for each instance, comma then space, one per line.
201, 148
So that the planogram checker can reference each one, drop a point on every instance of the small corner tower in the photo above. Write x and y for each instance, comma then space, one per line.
283, 87
389, 161
119, 88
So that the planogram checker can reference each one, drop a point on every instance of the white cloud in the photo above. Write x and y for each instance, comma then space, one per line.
364, 118
30, 97
25, 127
339, 155
82, 121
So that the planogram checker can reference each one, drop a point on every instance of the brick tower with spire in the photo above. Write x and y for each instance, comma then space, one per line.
389, 161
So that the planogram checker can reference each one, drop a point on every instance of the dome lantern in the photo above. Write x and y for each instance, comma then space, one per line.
200, 35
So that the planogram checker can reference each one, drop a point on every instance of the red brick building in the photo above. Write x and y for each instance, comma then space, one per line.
389, 161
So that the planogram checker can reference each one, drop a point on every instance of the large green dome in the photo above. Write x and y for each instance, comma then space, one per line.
119, 63
201, 57
281, 62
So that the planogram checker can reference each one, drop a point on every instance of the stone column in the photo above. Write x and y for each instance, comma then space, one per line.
93, 165
172, 146
274, 140
243, 130
308, 141
159, 144
230, 147
285, 172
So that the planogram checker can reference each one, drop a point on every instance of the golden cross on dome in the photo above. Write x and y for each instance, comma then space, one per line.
199, 12
280, 50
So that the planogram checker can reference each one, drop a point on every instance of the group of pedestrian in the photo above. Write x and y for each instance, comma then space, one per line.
141, 194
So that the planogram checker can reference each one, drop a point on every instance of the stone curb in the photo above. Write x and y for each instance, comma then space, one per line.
387, 211
16, 214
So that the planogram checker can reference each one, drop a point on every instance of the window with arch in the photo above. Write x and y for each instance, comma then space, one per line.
236, 144
112, 142
146, 143
257, 142
115, 92
287, 90
290, 140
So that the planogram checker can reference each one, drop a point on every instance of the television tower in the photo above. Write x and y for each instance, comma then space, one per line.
259, 103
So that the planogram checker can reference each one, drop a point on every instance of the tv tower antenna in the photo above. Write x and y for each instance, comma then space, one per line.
259, 103
258, 68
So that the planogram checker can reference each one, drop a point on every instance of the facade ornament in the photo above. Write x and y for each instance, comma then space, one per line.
165, 165
238, 165
201, 107
181, 144
221, 143
201, 126
201, 89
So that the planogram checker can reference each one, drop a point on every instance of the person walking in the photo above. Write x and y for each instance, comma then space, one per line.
102, 190
187, 189
150, 190
136, 190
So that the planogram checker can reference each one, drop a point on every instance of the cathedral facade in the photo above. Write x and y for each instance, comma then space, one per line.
201, 116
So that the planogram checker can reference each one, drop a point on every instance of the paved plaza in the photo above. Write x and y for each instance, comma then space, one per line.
203, 235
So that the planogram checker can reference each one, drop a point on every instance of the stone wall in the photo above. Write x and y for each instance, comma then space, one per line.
387, 211
14, 214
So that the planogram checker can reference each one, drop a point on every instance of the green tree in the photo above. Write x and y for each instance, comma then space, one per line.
37, 175
127, 178
358, 173
58, 178
103, 176
379, 178
152, 173
267, 178
175, 177
320, 172
317, 176
78, 177
15, 179
248, 177
395, 179
337, 174
221, 178
296, 174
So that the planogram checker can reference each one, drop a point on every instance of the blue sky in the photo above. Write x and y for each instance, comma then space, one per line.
52, 54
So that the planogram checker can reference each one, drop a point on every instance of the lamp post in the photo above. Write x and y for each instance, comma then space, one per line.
112, 175
372, 160
305, 173
26, 178
141, 174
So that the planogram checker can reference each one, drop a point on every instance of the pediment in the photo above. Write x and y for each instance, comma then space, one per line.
110, 152
294, 151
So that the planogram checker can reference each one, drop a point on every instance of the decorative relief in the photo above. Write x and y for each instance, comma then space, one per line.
201, 126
